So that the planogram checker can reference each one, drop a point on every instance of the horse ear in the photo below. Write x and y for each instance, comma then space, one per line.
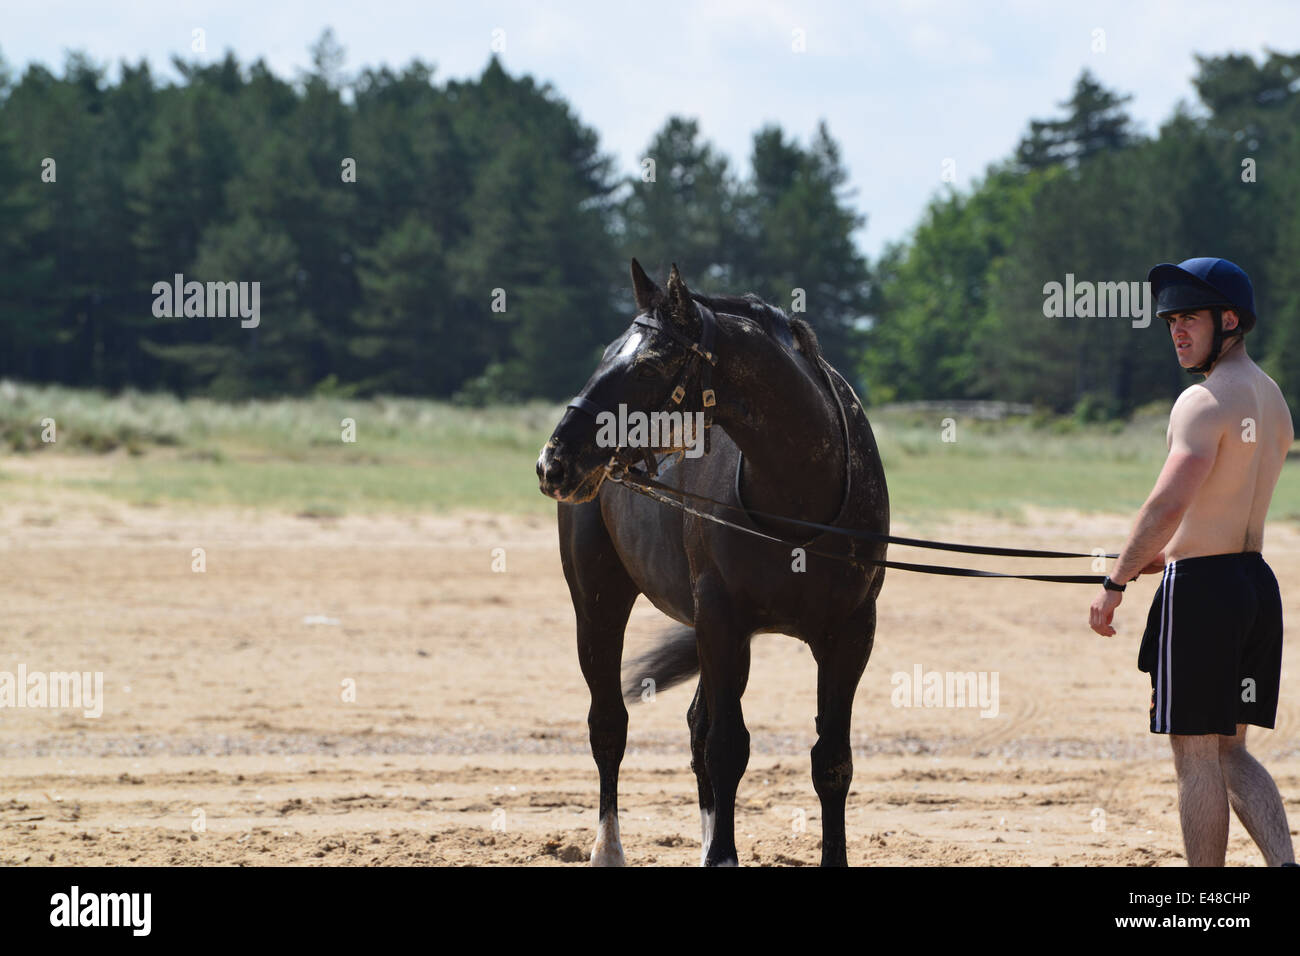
648, 295
680, 306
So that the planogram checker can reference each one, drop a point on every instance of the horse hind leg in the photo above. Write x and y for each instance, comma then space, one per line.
697, 718
841, 659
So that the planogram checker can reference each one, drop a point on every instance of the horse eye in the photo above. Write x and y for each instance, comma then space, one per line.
646, 371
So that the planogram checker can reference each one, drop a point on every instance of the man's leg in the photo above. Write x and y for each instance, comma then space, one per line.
1255, 798
1202, 798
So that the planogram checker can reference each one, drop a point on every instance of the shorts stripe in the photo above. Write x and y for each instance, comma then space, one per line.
1157, 718
1164, 661
1169, 651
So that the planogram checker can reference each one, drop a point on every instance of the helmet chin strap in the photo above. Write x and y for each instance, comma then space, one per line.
1219, 336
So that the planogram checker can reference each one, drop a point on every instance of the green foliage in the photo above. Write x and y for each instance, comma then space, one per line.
958, 311
1096, 123
687, 213
481, 252
797, 235
385, 283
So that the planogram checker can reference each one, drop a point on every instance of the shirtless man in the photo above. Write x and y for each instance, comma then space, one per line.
1213, 641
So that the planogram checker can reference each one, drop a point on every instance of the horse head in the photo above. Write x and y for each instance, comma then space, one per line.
648, 370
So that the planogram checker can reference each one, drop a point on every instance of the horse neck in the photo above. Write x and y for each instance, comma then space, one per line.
776, 408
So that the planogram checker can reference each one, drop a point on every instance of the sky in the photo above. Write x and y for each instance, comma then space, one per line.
904, 87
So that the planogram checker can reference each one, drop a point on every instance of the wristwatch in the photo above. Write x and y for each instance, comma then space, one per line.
1110, 585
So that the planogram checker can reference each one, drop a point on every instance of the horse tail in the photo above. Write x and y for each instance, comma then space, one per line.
671, 661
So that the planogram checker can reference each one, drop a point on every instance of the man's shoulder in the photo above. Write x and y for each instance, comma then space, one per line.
1229, 391
1269, 384
1226, 401
1198, 398
1199, 411
1272, 394
1246, 388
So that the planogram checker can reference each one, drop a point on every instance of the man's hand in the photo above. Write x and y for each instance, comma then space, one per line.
1102, 610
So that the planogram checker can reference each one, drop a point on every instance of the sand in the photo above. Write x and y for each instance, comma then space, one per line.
369, 690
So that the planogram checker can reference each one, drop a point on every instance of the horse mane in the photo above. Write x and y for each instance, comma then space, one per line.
772, 320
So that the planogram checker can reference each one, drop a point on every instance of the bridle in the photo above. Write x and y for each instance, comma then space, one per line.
700, 356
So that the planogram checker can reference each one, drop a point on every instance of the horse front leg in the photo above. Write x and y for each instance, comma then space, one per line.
600, 653
603, 595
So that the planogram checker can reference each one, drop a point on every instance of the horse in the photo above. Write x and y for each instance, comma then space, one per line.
792, 441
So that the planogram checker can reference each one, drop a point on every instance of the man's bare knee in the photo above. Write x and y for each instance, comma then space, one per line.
1235, 745
1195, 747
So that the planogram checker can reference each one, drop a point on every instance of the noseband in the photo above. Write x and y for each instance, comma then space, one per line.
700, 356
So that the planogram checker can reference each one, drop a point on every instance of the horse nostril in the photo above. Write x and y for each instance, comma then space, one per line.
550, 471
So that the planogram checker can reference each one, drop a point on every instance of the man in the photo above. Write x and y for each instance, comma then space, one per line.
1213, 642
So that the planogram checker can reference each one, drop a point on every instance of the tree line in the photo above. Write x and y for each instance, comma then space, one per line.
469, 239
409, 236
959, 306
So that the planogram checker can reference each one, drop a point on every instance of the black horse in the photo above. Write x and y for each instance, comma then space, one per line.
792, 440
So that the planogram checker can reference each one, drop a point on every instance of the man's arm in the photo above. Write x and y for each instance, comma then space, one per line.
1196, 428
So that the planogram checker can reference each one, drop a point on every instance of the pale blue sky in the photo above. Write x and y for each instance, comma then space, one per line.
902, 85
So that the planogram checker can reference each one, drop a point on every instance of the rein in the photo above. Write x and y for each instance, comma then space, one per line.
701, 356
657, 491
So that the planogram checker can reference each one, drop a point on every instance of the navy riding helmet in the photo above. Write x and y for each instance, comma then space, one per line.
1205, 283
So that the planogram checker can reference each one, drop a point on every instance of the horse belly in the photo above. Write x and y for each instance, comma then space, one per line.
648, 539
793, 593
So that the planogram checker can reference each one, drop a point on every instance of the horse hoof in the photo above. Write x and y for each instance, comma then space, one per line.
608, 850
606, 856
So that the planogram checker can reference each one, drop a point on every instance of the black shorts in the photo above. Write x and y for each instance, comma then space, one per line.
1213, 645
